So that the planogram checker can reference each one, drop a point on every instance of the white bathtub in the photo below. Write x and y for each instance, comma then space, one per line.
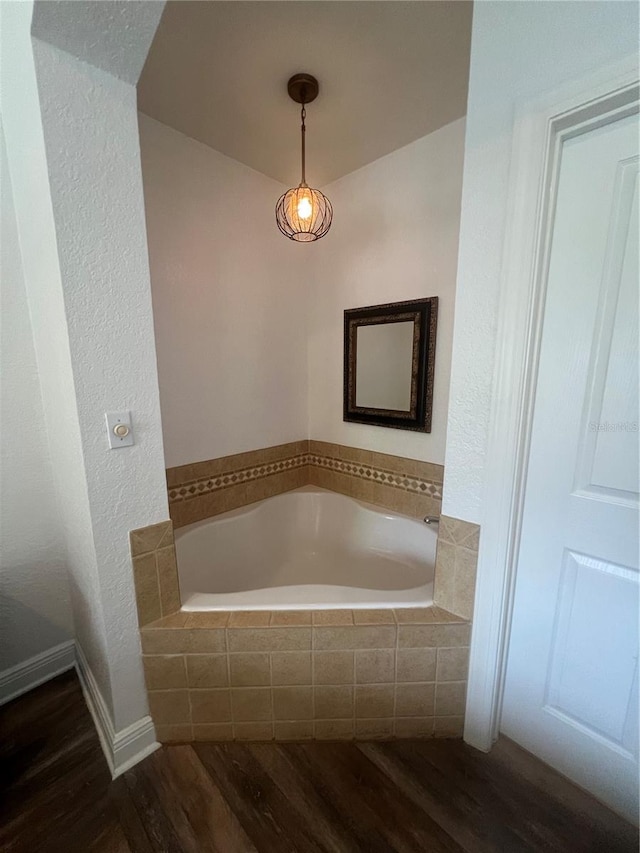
306, 549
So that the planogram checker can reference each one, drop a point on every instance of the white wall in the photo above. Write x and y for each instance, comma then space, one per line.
35, 612
394, 237
73, 150
518, 50
229, 301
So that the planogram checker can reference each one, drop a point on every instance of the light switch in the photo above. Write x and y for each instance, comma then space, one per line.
119, 429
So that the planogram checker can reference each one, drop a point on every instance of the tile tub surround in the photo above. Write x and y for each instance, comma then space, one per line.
155, 571
301, 675
456, 564
205, 489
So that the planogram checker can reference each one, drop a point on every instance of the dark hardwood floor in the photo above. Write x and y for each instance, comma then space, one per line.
432, 796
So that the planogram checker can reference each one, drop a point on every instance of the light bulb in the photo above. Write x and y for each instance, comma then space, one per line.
305, 208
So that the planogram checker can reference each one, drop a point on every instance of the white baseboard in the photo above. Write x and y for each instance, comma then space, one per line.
35, 671
122, 749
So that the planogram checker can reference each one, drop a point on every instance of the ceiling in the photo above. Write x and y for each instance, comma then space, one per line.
389, 73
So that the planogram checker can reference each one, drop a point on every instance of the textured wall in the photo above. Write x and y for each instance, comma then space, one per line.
229, 301
34, 216
73, 150
518, 50
35, 612
394, 237
96, 192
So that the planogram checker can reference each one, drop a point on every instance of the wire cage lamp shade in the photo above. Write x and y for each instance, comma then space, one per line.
303, 214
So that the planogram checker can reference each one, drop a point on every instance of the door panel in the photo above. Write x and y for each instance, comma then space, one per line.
571, 686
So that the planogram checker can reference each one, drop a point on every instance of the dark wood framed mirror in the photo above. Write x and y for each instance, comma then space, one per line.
389, 360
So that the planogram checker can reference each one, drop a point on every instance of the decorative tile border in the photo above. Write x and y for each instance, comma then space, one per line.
302, 675
205, 489
407, 483
365, 472
207, 485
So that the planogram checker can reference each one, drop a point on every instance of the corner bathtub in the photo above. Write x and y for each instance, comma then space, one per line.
306, 549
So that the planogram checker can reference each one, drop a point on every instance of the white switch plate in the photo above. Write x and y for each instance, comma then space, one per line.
119, 419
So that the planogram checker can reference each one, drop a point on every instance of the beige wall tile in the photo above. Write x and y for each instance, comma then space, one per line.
333, 702
293, 703
352, 454
318, 477
333, 729
253, 731
362, 490
311, 480
250, 669
416, 665
234, 497
249, 618
448, 726
465, 581
167, 641
408, 727
414, 700
415, 615
251, 704
442, 616
290, 617
453, 664
269, 639
459, 532
450, 698
174, 733
374, 617
324, 448
284, 451
169, 706
146, 539
332, 617
417, 636
291, 668
425, 505
178, 475
168, 580
209, 619
301, 730
210, 706
162, 672
205, 641
375, 665
145, 578
358, 637
333, 667
174, 620
187, 512
374, 700
428, 471
258, 490
207, 671
213, 732
376, 729
445, 577
390, 498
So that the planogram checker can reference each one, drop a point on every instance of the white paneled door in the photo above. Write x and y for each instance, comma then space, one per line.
571, 689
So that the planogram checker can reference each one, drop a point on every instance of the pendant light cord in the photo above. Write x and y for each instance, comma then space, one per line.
303, 130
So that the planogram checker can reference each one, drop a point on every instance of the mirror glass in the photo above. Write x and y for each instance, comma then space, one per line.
384, 366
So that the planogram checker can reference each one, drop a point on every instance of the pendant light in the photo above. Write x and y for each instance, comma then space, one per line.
303, 214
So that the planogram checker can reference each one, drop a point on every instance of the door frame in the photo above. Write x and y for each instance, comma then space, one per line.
540, 128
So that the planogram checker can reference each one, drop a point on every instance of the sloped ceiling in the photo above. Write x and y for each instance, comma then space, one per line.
389, 72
